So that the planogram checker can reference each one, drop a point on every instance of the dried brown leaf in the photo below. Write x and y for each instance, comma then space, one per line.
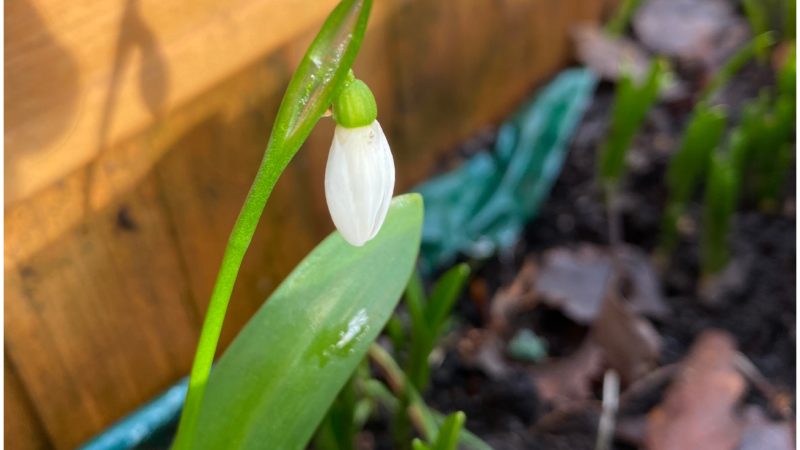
630, 344
697, 409
569, 379
609, 56
691, 30
515, 297
576, 281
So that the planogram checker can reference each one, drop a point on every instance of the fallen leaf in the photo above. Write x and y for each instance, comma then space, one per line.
630, 344
569, 379
484, 349
699, 31
576, 281
516, 297
609, 56
697, 409
645, 289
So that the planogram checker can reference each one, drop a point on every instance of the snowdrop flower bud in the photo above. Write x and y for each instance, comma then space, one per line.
359, 177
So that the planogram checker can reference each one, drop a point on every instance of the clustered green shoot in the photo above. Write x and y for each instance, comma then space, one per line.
771, 15
428, 317
415, 339
632, 102
764, 151
752, 162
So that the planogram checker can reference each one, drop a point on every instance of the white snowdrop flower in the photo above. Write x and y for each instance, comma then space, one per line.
359, 176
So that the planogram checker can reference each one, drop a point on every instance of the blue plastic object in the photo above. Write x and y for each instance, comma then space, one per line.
141, 428
482, 206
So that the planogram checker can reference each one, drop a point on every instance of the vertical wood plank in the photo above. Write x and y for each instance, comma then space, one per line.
100, 321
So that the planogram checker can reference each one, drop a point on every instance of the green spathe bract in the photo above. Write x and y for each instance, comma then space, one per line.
275, 383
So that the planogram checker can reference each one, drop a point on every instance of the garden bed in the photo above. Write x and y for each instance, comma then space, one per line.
756, 306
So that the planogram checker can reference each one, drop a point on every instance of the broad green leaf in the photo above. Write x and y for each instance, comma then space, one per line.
275, 382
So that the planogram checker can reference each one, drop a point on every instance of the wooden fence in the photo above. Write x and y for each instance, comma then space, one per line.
133, 131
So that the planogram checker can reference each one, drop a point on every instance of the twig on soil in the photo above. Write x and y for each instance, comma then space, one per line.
779, 402
605, 431
648, 381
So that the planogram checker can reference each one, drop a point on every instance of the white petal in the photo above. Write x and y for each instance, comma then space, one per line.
359, 181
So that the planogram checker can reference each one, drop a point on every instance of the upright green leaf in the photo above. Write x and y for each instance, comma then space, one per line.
757, 46
444, 296
622, 16
275, 382
447, 438
688, 166
631, 105
720, 204
428, 321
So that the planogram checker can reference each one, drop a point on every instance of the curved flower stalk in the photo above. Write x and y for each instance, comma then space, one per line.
359, 176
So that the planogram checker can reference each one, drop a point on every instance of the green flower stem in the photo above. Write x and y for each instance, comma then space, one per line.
238, 242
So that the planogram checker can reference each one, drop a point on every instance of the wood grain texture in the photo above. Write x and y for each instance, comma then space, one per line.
116, 67
115, 233
100, 321
23, 427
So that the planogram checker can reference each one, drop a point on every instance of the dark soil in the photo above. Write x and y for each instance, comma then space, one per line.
760, 313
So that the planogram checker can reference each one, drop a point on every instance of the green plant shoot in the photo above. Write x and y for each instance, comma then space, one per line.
428, 420
688, 166
757, 46
447, 436
622, 16
631, 105
428, 318
311, 91
719, 206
